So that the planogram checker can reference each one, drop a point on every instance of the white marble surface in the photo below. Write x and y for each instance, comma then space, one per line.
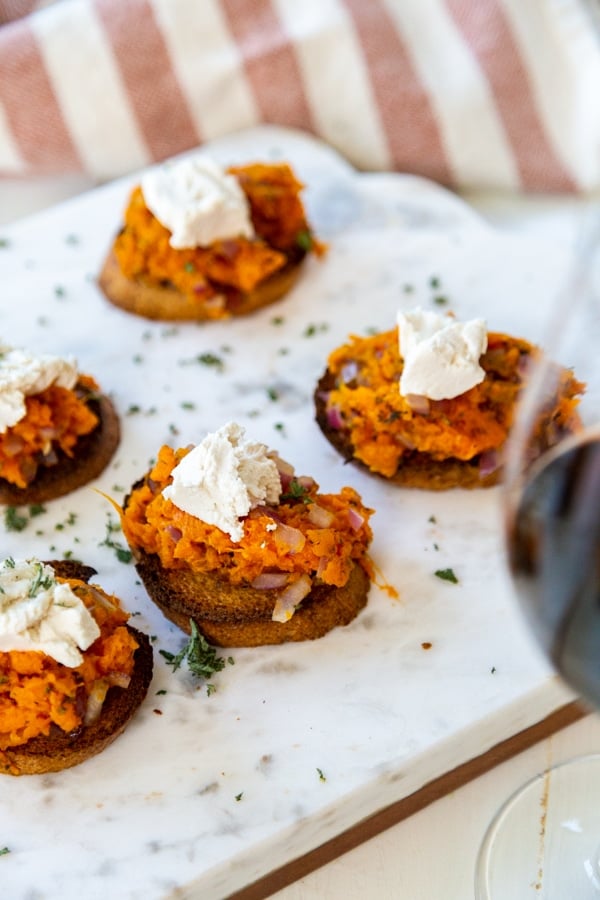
215, 791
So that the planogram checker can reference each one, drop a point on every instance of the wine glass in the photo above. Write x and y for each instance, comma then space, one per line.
545, 841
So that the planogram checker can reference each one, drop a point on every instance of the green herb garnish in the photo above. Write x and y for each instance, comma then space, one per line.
13, 521
446, 575
211, 359
201, 658
296, 491
304, 240
321, 775
122, 553
4, 851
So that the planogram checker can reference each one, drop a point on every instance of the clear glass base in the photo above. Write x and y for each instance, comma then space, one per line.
545, 841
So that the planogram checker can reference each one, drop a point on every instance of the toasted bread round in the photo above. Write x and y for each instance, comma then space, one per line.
418, 470
60, 750
92, 454
239, 616
166, 303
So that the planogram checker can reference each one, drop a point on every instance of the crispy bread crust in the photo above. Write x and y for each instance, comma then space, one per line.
59, 750
239, 616
167, 304
93, 452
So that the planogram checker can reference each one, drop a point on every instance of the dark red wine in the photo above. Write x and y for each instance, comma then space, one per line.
554, 553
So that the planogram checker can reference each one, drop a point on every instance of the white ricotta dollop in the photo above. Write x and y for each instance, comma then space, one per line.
39, 613
197, 201
441, 356
223, 478
22, 374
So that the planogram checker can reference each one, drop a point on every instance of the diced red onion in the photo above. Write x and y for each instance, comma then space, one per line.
489, 462
289, 599
174, 533
269, 581
349, 371
355, 519
95, 701
13, 444
319, 516
405, 441
306, 482
418, 404
525, 364
50, 459
292, 538
283, 467
285, 479
334, 418
119, 679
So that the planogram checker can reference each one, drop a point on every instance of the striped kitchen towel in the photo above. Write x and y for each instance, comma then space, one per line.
472, 93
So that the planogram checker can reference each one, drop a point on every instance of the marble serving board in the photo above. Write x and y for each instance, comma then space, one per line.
205, 793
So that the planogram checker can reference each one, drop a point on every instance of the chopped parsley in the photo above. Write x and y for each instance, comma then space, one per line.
212, 360
440, 300
189, 267
313, 329
4, 851
446, 575
4, 243
13, 521
239, 796
36, 509
59, 291
321, 775
201, 657
304, 240
122, 553
296, 491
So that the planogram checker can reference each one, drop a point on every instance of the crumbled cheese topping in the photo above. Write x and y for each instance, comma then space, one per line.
441, 356
197, 201
223, 478
22, 374
39, 613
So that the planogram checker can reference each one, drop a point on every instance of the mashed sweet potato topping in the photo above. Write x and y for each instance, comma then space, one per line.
384, 427
55, 419
322, 535
37, 693
234, 265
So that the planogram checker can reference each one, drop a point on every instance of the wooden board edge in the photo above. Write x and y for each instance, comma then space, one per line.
377, 822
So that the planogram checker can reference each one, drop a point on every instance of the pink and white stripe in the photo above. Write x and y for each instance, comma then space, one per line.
471, 93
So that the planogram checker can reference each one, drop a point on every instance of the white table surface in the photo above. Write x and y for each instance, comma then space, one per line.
432, 854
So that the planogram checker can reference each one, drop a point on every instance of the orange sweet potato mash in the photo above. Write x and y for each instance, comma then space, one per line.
239, 264
322, 535
55, 419
38, 693
383, 426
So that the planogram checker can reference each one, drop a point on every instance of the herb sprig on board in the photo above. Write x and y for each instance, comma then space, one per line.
200, 656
